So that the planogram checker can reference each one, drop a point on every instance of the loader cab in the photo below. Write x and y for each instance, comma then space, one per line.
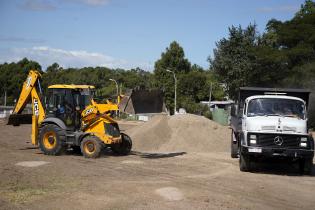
66, 102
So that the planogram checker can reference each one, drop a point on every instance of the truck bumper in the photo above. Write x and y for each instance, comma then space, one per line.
276, 152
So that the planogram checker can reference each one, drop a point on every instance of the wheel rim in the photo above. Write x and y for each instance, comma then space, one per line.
89, 147
50, 140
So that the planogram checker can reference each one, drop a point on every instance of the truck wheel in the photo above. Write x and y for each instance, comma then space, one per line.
124, 147
234, 146
244, 163
51, 139
91, 147
306, 166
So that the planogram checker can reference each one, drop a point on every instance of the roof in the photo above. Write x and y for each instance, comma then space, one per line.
218, 102
71, 87
275, 96
262, 89
246, 92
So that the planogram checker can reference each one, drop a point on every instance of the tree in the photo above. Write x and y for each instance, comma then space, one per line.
54, 68
172, 59
308, 8
12, 76
233, 58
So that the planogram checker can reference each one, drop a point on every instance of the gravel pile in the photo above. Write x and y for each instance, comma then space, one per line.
180, 133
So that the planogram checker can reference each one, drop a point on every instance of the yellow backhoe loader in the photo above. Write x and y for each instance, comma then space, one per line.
69, 118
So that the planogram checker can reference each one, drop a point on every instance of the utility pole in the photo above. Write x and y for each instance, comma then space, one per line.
117, 92
5, 97
210, 94
117, 88
175, 89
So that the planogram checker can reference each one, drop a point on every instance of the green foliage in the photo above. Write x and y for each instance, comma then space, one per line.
206, 112
99, 77
233, 58
193, 85
307, 10
172, 59
193, 82
13, 75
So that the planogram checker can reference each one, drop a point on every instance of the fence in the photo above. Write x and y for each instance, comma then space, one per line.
5, 111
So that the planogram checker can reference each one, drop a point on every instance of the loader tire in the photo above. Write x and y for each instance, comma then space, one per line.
91, 147
51, 139
124, 147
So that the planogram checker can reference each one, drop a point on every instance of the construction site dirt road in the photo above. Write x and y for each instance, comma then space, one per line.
180, 162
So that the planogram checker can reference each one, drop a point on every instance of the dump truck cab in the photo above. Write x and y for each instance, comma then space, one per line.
272, 123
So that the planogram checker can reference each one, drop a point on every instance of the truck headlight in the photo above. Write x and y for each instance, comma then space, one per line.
252, 139
303, 142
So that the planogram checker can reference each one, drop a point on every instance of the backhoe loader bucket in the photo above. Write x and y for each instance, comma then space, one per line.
17, 119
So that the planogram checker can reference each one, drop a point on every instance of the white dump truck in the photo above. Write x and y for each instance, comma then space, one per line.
271, 123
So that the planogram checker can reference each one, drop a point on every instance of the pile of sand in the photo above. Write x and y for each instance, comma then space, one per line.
180, 133
2, 121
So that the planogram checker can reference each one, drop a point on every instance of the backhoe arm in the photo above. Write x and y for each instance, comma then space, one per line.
29, 92
26, 92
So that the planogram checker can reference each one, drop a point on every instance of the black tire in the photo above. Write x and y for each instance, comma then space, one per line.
51, 139
244, 163
234, 146
306, 166
91, 147
124, 147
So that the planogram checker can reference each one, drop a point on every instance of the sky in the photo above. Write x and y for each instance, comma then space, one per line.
125, 33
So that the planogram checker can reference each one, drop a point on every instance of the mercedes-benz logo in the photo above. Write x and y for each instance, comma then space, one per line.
278, 140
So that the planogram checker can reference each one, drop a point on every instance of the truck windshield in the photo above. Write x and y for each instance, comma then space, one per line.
276, 107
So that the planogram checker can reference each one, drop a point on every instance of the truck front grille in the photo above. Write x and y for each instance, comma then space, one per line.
273, 140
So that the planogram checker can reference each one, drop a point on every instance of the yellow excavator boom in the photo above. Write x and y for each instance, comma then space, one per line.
29, 93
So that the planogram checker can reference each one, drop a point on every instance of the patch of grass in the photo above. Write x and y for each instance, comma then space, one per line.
23, 194
19, 193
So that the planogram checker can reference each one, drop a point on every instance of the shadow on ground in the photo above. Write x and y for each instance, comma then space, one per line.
280, 168
157, 155
29, 148
108, 152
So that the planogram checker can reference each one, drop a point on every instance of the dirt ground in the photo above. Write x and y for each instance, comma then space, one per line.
184, 179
